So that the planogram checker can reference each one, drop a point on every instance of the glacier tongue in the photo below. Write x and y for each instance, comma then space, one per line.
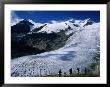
78, 52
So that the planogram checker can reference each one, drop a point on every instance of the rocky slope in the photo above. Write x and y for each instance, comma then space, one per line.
26, 42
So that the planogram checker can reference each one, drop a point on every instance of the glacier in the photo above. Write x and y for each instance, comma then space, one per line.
78, 52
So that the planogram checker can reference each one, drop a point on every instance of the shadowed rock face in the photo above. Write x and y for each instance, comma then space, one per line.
46, 42
23, 43
21, 27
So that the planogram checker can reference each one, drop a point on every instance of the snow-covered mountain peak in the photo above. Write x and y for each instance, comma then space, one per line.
86, 22
31, 21
36, 25
71, 24
80, 23
72, 20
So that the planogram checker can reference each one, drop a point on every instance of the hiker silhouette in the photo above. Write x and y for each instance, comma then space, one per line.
70, 70
78, 70
60, 73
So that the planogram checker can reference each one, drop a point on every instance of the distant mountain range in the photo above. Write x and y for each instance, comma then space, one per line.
53, 27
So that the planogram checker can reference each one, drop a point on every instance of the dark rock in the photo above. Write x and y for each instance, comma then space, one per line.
21, 27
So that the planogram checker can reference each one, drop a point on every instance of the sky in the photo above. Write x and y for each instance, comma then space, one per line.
47, 16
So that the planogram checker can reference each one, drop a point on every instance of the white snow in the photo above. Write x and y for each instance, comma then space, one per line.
63, 25
82, 23
78, 52
36, 25
56, 27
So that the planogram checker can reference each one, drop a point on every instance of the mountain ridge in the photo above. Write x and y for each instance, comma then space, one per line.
59, 25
